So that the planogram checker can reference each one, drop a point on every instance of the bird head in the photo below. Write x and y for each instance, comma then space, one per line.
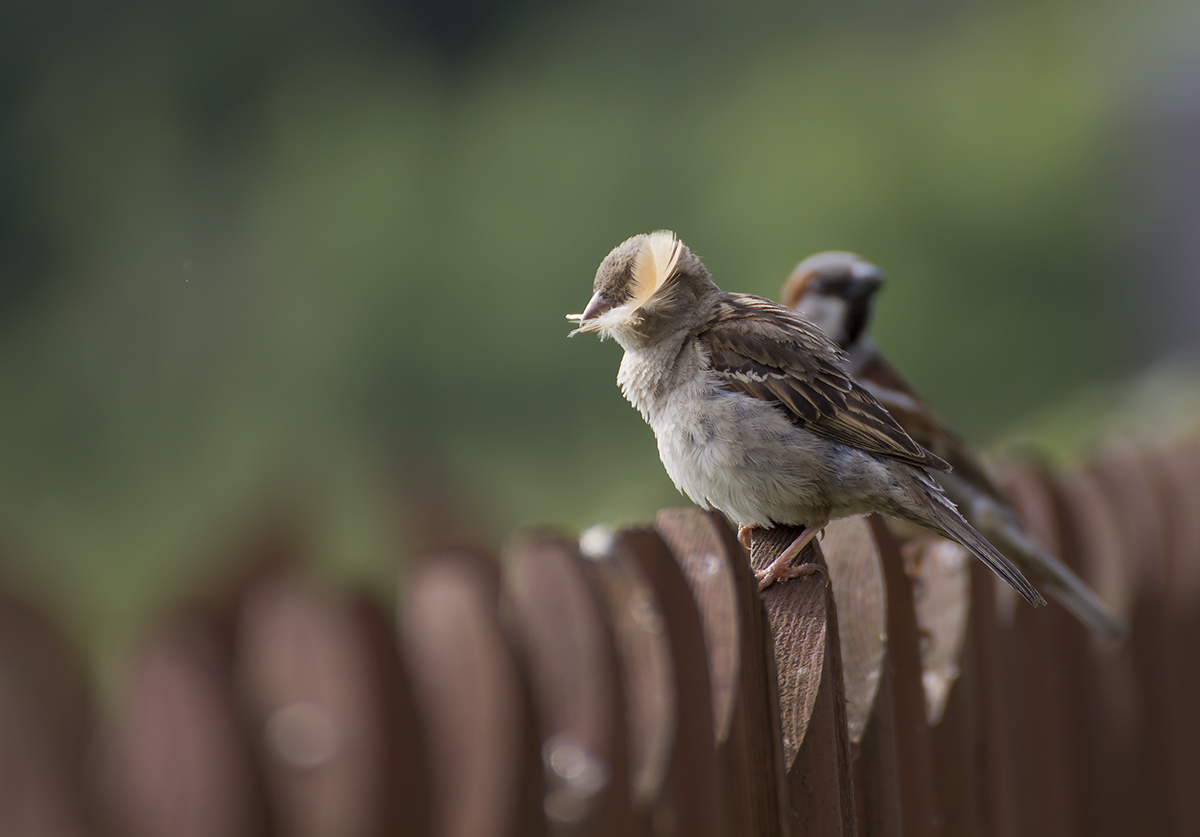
643, 289
835, 291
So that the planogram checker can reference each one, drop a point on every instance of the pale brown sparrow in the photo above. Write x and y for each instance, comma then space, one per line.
753, 410
836, 292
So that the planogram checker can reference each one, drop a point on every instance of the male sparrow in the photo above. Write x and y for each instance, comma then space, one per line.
753, 410
836, 291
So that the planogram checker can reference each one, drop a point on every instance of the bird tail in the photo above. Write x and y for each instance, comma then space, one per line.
1053, 576
947, 522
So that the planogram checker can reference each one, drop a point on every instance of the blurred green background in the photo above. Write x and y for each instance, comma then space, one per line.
316, 255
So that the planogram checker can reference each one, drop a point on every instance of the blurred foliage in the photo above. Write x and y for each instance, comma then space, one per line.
317, 255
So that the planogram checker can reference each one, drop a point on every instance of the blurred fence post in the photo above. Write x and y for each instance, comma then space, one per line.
339, 734
578, 688
44, 727
179, 759
1048, 652
691, 801
741, 667
1177, 473
473, 697
1138, 511
1113, 769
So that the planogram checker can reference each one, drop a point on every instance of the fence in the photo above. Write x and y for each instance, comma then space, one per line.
643, 686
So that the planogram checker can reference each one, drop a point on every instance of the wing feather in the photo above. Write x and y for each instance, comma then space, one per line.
769, 352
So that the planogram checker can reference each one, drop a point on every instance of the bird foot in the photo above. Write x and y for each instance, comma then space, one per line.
768, 576
781, 567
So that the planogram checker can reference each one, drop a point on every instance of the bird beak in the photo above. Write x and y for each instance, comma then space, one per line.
597, 306
868, 279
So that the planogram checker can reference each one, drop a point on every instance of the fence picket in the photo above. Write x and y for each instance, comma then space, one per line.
856, 574
812, 699
1049, 647
1177, 471
914, 753
741, 665
638, 683
476, 705
44, 726
574, 667
1139, 512
179, 699
1111, 705
691, 802
338, 749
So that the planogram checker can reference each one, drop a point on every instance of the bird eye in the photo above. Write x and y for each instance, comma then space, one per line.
828, 285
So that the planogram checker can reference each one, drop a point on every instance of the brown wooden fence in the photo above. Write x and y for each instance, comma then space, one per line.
640, 685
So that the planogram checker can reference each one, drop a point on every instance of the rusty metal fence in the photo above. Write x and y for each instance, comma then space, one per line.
636, 683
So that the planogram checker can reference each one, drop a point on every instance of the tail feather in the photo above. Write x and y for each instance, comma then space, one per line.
1017, 559
947, 522
1057, 579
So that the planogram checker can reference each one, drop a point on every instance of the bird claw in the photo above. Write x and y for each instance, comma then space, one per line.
744, 536
769, 576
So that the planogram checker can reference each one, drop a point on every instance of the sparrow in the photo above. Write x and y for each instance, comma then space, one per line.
836, 292
754, 412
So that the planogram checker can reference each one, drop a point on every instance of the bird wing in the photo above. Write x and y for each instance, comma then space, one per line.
764, 350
